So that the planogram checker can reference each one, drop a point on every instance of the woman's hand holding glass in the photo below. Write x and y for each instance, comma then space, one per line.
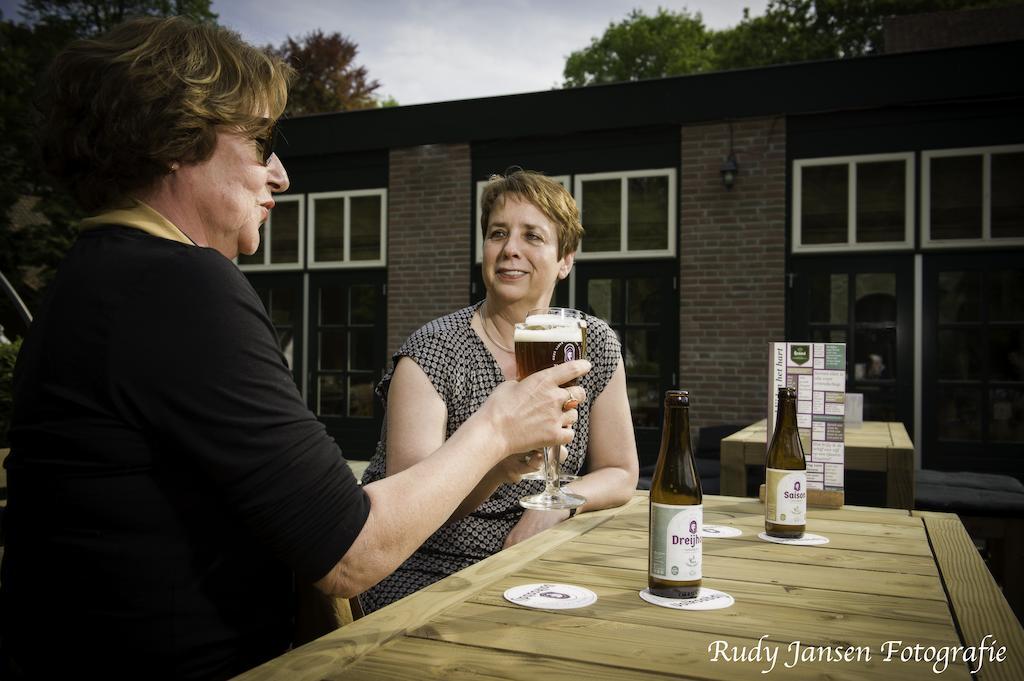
548, 337
528, 414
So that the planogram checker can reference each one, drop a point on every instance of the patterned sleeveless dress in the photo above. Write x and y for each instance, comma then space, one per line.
464, 372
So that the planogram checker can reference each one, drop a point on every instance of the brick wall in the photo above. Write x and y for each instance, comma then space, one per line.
428, 236
732, 267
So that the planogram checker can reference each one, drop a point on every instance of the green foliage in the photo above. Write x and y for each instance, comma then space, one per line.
8, 354
30, 250
803, 30
386, 102
677, 43
93, 17
642, 46
327, 77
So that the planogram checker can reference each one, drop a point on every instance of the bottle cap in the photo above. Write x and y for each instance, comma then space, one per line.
787, 392
677, 398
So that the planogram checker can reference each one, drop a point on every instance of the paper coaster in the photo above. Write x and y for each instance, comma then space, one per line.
551, 596
720, 531
807, 540
706, 599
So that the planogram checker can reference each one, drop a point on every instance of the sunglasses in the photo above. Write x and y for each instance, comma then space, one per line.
266, 143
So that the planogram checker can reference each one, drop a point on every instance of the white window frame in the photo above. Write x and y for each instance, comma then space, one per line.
563, 180
986, 238
851, 244
267, 238
346, 263
623, 253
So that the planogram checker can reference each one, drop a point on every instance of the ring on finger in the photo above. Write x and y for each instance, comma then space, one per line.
571, 402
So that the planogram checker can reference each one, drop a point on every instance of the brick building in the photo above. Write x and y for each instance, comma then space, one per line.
877, 201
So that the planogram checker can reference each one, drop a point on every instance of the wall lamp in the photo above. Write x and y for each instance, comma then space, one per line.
729, 170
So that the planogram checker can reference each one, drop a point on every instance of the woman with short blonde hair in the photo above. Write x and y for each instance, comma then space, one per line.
444, 371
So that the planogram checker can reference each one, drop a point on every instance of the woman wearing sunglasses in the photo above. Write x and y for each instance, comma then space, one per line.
167, 486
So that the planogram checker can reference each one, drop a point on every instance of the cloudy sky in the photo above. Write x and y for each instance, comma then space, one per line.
436, 50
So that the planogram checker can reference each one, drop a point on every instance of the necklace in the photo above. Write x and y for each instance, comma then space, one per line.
483, 323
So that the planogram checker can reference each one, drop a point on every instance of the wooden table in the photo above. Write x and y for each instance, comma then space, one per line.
871, 446
358, 468
886, 575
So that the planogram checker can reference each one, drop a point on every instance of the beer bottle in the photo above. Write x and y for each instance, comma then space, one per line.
677, 511
785, 490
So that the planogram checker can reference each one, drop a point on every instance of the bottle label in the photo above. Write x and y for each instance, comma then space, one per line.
786, 497
676, 542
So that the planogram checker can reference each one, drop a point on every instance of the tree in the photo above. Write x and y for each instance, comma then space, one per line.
92, 17
387, 102
677, 43
642, 46
802, 30
327, 77
8, 354
31, 248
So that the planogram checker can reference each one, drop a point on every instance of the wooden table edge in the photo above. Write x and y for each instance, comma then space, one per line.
329, 655
977, 604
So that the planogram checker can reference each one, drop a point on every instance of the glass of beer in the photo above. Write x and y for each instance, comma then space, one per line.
548, 337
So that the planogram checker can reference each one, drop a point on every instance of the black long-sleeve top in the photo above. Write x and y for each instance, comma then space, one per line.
166, 481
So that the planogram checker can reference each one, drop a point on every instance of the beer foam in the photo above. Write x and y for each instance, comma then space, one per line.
567, 331
555, 320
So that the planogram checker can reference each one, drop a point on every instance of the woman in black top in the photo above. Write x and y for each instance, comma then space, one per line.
166, 481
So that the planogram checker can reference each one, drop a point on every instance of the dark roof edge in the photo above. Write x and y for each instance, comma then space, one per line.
908, 78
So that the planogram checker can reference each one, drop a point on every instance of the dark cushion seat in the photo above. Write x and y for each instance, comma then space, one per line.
966, 493
708, 471
710, 474
707, 457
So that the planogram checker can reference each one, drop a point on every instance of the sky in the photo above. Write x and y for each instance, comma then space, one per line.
439, 50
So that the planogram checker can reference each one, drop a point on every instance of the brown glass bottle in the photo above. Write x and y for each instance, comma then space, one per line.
785, 489
676, 511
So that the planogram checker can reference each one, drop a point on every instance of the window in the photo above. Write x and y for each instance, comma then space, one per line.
282, 297
856, 203
348, 229
345, 368
627, 215
281, 238
478, 237
870, 332
640, 303
347, 345
973, 375
865, 301
980, 359
632, 306
973, 196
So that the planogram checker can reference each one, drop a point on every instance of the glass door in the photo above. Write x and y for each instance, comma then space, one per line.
639, 301
347, 353
867, 303
973, 403
282, 297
